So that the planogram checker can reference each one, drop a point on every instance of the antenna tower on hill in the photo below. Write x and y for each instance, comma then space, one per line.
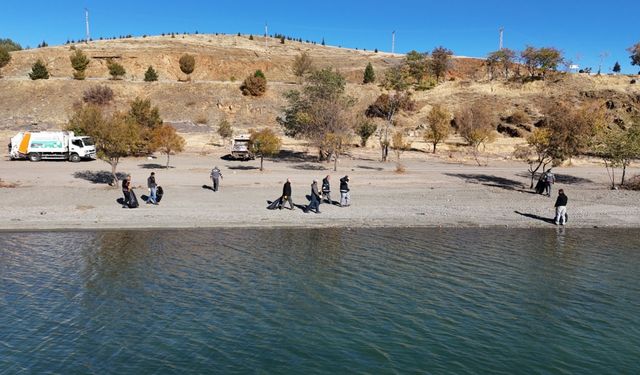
86, 21
266, 34
393, 41
501, 34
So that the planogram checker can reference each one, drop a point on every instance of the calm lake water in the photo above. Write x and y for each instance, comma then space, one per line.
461, 301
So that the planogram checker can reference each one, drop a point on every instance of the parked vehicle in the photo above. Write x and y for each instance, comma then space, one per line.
45, 145
240, 148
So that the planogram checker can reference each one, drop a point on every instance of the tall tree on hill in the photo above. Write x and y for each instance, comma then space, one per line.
263, 143
388, 105
529, 58
187, 65
616, 67
502, 59
148, 119
439, 122
369, 74
634, 50
39, 71
5, 57
9, 45
549, 58
302, 64
165, 139
440, 61
416, 63
116, 136
79, 63
475, 124
320, 113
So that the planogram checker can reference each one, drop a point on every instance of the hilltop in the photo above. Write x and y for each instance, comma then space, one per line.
223, 61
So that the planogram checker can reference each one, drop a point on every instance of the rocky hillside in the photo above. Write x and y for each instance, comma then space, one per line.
223, 61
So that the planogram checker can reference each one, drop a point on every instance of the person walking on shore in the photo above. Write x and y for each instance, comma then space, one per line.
326, 189
561, 208
153, 189
549, 179
315, 197
286, 195
345, 196
216, 176
126, 191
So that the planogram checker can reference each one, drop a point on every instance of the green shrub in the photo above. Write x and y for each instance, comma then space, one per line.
39, 71
255, 85
150, 75
116, 70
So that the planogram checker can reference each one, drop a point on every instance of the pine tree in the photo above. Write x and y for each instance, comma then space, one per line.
322, 41
616, 67
39, 71
250, 37
369, 74
282, 39
79, 62
150, 75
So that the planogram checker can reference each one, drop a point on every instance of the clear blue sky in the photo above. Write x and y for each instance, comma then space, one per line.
583, 30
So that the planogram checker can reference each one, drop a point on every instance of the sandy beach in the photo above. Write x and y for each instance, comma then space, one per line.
431, 193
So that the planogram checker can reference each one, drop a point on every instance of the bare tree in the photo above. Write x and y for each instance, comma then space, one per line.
475, 124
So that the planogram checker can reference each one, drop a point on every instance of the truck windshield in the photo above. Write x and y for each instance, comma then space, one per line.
88, 141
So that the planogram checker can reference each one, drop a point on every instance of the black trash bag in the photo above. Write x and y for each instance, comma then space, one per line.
159, 194
540, 187
133, 200
275, 204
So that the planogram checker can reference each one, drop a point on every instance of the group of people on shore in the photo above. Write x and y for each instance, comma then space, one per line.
323, 194
317, 196
130, 199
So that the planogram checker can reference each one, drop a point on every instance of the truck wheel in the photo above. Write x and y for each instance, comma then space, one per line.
74, 158
34, 156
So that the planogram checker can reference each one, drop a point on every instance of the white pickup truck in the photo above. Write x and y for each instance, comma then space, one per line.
240, 148
61, 145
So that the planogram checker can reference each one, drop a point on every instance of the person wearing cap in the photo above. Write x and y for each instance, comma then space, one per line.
345, 197
153, 189
315, 197
286, 195
216, 176
326, 189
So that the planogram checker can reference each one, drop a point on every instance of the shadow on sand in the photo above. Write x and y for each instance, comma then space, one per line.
492, 181
537, 217
100, 177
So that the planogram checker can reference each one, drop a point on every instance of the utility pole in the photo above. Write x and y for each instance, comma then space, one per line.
393, 41
266, 34
86, 20
501, 34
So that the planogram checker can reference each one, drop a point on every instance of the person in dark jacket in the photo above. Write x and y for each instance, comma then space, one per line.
126, 191
561, 208
153, 189
315, 197
345, 196
286, 195
326, 189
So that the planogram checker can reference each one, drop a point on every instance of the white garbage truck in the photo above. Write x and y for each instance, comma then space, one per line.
240, 148
51, 145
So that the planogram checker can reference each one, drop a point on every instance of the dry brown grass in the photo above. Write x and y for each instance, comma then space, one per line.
633, 183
